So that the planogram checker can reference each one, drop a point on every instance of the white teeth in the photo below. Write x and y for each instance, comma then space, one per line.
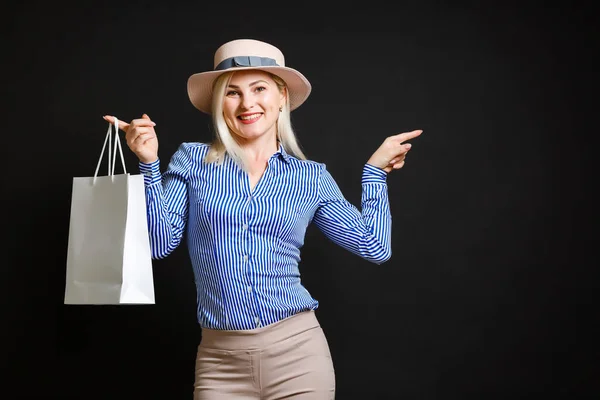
249, 117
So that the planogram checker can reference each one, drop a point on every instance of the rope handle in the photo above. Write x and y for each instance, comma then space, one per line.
111, 157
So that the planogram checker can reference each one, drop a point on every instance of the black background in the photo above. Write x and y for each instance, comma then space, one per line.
489, 292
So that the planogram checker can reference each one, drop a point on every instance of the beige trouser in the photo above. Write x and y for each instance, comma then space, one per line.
289, 359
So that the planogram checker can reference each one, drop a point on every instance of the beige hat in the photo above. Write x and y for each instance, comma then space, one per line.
247, 54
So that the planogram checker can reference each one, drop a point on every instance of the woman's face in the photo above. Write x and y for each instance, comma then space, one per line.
251, 104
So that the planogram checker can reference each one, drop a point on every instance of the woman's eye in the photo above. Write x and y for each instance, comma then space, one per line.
232, 93
261, 88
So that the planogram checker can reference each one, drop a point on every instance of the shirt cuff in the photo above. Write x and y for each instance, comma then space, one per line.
373, 174
151, 172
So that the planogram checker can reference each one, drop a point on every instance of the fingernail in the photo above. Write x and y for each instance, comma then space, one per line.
407, 146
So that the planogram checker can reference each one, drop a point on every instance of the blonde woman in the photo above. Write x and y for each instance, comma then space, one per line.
244, 202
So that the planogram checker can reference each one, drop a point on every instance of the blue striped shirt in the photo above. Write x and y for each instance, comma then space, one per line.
244, 244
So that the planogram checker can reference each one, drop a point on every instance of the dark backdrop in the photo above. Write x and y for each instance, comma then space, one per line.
489, 291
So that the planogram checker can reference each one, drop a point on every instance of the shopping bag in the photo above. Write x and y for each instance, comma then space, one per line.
108, 257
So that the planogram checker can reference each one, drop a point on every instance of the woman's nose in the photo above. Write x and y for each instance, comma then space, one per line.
247, 102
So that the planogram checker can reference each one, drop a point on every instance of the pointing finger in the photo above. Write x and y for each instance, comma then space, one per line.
408, 135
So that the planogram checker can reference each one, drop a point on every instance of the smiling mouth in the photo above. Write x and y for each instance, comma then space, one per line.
249, 118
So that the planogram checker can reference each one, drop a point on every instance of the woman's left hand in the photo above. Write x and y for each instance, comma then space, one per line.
392, 152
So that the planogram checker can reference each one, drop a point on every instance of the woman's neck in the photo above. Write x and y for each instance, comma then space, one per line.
260, 149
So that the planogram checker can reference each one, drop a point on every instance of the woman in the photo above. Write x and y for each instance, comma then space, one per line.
245, 201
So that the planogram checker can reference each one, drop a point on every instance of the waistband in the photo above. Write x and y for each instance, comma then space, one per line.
258, 338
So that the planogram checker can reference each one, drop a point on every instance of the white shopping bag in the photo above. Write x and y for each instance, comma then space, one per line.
108, 258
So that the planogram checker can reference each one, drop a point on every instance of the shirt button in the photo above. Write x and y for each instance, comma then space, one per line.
245, 257
249, 288
245, 227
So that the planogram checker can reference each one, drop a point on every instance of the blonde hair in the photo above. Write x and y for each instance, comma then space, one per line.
224, 142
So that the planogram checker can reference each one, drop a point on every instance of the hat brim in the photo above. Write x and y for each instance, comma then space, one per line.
200, 85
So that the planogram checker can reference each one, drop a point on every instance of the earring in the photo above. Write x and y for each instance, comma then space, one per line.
280, 108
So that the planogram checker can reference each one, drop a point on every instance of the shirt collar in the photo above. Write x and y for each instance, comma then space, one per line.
282, 153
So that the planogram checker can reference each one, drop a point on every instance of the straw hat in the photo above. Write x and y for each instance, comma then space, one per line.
244, 54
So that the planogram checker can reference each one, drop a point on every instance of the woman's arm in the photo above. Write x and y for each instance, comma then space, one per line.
367, 233
167, 201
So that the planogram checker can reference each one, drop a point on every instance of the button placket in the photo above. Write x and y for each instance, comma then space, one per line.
247, 246
246, 243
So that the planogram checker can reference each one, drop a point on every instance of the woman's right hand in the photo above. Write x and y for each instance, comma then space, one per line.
140, 136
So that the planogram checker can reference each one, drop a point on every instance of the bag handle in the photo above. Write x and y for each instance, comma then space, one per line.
111, 158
